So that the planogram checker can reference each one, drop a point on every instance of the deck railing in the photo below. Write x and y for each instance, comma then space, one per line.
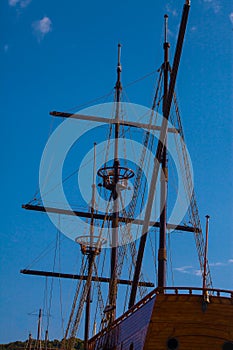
196, 290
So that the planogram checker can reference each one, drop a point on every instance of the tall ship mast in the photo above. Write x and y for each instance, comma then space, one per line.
121, 307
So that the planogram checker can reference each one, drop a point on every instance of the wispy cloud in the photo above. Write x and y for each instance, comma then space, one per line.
192, 271
218, 264
189, 270
171, 33
171, 10
193, 28
197, 273
213, 4
6, 48
231, 17
42, 27
13, 2
21, 3
184, 269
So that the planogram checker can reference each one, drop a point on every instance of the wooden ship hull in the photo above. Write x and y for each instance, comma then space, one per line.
173, 318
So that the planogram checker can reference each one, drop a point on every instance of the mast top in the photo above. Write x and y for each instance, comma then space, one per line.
119, 56
118, 85
165, 28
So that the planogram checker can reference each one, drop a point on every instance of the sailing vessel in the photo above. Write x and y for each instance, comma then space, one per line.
148, 314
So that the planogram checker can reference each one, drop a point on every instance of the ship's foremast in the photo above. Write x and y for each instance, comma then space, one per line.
115, 196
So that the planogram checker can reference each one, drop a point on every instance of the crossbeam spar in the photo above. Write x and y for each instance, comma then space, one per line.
97, 216
79, 277
110, 121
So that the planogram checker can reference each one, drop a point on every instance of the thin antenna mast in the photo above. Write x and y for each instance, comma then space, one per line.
39, 330
206, 252
46, 339
29, 341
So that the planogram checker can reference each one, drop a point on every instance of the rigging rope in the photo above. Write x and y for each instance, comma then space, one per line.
79, 283
100, 301
193, 209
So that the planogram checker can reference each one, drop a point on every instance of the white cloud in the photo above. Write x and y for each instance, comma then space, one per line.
6, 48
192, 271
13, 2
21, 3
213, 4
170, 33
231, 17
189, 270
217, 264
171, 10
183, 269
221, 264
25, 3
193, 29
42, 27
197, 272
229, 261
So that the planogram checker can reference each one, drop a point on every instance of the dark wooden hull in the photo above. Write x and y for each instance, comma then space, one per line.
180, 319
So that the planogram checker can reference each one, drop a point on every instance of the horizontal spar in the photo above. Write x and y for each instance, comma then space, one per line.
79, 277
110, 121
97, 216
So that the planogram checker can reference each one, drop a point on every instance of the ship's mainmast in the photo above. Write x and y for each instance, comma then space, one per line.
158, 159
162, 258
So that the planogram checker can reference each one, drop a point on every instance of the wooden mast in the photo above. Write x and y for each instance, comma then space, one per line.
162, 256
91, 256
159, 151
115, 221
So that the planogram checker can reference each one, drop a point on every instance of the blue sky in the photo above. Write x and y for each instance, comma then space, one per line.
58, 55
